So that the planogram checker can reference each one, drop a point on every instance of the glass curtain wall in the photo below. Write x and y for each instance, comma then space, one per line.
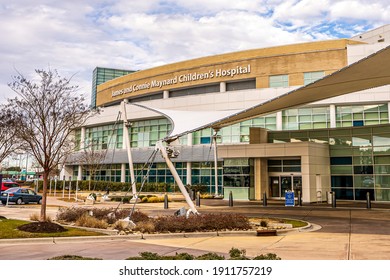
359, 159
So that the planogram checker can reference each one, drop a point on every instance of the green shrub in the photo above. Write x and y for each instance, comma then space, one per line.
269, 256
210, 256
237, 254
263, 223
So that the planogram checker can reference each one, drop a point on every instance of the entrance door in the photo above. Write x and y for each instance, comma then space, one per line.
285, 184
280, 184
274, 190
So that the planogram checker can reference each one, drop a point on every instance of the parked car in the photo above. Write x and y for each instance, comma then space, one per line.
5, 185
20, 195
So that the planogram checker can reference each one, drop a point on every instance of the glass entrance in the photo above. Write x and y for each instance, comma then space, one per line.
278, 185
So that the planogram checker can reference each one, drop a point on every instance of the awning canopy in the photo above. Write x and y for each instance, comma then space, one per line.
370, 72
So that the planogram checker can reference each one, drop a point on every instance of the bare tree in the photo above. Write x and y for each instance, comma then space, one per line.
45, 113
91, 160
8, 141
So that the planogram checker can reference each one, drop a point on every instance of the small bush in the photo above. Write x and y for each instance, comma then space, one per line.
237, 254
210, 256
144, 199
72, 257
138, 216
263, 223
92, 222
145, 227
269, 256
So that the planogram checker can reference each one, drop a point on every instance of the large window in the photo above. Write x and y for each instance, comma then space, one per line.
109, 172
361, 115
104, 137
147, 133
278, 81
238, 173
310, 77
306, 118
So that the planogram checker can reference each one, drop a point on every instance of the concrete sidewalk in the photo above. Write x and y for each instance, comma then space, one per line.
349, 231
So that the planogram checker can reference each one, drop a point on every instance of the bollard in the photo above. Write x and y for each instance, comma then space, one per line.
368, 200
264, 199
165, 201
198, 199
333, 199
299, 198
231, 199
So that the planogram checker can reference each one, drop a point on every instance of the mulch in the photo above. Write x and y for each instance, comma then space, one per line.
42, 227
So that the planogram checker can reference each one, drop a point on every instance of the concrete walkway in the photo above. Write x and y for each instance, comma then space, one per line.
349, 231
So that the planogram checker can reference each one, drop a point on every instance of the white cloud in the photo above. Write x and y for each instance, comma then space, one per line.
76, 36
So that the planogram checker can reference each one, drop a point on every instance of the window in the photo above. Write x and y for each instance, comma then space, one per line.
278, 81
310, 77
361, 115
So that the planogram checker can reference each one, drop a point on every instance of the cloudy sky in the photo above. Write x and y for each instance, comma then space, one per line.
75, 36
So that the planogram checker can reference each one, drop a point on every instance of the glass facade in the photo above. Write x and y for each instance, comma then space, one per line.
101, 75
310, 77
306, 118
361, 115
359, 159
108, 172
104, 137
146, 133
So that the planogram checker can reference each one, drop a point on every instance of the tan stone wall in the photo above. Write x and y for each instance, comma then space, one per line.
327, 56
314, 162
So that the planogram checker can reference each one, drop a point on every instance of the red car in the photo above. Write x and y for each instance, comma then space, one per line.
6, 185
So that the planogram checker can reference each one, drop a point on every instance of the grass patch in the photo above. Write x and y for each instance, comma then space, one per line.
295, 223
9, 230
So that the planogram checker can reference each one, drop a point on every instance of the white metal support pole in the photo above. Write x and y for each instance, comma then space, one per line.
70, 186
128, 148
215, 161
55, 186
176, 176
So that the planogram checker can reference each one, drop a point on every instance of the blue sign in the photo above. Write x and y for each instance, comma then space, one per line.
290, 199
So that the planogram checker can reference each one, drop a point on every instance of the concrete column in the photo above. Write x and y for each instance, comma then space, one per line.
80, 172
189, 139
332, 112
222, 86
82, 139
279, 120
166, 94
123, 172
189, 174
